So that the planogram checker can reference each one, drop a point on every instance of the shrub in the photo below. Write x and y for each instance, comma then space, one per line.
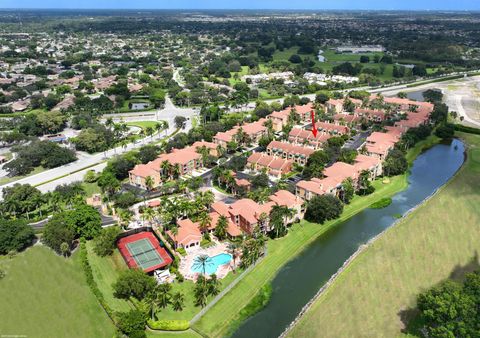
181, 251
380, 204
169, 325
132, 322
445, 131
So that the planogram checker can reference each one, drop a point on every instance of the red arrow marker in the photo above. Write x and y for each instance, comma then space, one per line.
314, 127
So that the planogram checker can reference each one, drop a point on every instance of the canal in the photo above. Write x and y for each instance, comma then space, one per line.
299, 280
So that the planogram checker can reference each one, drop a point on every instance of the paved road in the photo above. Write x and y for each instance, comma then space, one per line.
76, 170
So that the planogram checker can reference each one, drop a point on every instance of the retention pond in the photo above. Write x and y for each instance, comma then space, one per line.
300, 279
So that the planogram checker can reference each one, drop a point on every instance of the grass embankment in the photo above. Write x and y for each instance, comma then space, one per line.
374, 296
223, 317
45, 295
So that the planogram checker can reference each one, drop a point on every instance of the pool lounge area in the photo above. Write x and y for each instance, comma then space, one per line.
212, 264
219, 263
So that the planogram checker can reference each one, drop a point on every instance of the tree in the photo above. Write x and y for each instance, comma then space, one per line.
15, 235
178, 301
364, 185
232, 249
395, 163
108, 182
295, 58
202, 261
213, 285
201, 291
132, 323
57, 232
315, 164
104, 244
323, 208
448, 310
347, 190
133, 283
163, 294
180, 121
221, 228
364, 59
65, 249
204, 221
51, 121
445, 131
21, 199
84, 220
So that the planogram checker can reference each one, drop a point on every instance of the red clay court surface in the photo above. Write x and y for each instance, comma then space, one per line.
143, 251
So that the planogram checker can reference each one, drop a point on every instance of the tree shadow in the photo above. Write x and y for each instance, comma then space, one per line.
410, 317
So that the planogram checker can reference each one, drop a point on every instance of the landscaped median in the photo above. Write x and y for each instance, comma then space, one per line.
225, 316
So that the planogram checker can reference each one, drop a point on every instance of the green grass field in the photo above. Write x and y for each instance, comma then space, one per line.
105, 271
45, 295
375, 295
142, 124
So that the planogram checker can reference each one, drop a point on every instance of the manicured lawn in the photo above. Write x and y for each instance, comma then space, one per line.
221, 318
142, 124
437, 239
91, 188
45, 295
105, 271
190, 310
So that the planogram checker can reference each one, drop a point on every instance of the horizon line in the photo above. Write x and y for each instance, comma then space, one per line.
245, 9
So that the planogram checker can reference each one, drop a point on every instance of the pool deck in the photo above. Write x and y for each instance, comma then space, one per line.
216, 249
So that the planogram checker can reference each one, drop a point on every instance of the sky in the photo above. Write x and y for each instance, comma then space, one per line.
247, 4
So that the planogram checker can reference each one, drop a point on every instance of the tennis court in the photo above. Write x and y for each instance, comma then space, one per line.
143, 250
144, 254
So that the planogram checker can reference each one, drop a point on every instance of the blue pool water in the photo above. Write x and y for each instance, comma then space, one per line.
212, 263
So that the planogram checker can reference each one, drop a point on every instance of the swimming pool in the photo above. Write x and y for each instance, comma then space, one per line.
212, 263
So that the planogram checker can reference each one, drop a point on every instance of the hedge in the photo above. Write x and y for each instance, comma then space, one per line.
466, 129
169, 325
91, 281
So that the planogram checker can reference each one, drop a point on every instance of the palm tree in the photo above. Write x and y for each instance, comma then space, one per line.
205, 153
149, 214
202, 261
213, 285
232, 249
149, 131
220, 151
221, 228
165, 168
163, 295
269, 124
177, 301
204, 221
149, 183
64, 249
205, 199
201, 292
124, 217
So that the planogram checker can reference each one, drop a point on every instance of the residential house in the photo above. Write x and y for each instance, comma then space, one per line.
305, 137
272, 165
297, 153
